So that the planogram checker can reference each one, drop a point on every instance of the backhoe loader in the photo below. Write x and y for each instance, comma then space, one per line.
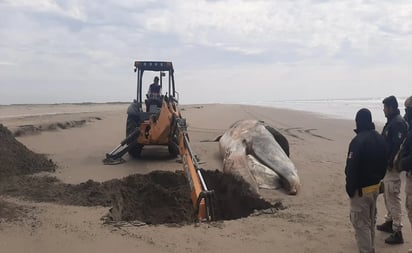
158, 121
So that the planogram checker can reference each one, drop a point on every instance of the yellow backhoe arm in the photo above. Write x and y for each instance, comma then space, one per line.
202, 198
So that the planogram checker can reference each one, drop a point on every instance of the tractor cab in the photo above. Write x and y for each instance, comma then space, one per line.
151, 116
155, 90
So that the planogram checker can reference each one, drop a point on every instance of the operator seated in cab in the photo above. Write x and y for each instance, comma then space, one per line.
154, 89
154, 95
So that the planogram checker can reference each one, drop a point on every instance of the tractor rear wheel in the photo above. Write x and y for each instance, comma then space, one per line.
131, 124
173, 149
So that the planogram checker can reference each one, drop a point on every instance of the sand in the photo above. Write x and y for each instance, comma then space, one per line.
316, 220
16, 159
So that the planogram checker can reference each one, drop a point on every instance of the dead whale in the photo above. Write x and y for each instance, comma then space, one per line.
259, 154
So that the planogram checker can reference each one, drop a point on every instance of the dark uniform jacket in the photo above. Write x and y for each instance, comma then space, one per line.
405, 154
394, 132
366, 162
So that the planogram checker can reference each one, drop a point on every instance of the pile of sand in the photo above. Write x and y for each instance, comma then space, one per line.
16, 159
31, 129
50, 189
10, 211
155, 198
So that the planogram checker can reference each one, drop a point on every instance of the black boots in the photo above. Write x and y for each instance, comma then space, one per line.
385, 227
395, 238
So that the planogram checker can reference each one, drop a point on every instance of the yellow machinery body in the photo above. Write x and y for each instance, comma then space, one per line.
165, 126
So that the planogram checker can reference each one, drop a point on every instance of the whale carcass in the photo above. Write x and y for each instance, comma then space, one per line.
260, 155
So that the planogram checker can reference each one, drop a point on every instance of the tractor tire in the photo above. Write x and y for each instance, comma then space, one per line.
173, 150
131, 124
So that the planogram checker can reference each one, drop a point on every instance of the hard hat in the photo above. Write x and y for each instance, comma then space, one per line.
408, 102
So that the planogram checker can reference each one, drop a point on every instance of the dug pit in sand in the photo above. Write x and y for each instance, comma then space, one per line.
167, 198
155, 198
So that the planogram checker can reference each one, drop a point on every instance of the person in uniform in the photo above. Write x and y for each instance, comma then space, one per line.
403, 161
394, 133
365, 168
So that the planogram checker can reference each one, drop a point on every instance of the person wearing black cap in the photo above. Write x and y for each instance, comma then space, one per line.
394, 133
365, 168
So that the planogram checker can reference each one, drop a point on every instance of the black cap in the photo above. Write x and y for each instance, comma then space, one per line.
363, 120
391, 102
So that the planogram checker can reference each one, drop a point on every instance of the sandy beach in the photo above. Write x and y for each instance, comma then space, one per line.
77, 137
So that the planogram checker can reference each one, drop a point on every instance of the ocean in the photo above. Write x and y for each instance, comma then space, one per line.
337, 108
331, 108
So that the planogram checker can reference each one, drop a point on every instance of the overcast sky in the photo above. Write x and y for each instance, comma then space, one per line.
223, 50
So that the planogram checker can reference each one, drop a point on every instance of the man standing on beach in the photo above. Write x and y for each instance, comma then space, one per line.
403, 160
394, 133
365, 168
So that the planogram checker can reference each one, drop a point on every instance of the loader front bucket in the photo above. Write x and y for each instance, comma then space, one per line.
112, 160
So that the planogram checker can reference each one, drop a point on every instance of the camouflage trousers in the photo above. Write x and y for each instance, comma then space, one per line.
392, 196
363, 218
